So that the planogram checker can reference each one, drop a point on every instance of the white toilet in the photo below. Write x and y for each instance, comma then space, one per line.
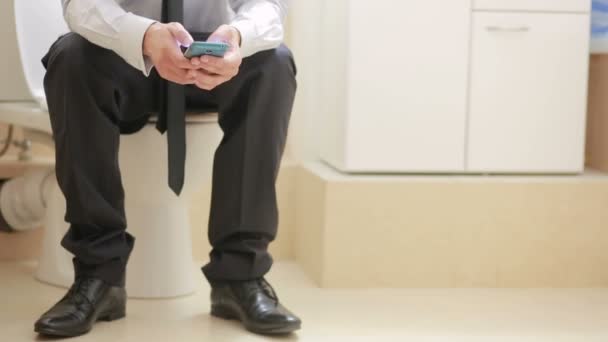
161, 263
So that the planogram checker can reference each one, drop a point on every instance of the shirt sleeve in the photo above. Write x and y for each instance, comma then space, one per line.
105, 23
260, 23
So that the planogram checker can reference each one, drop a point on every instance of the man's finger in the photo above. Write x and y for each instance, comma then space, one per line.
177, 75
180, 61
232, 57
211, 82
218, 78
183, 76
213, 69
204, 81
181, 34
206, 85
202, 84
218, 66
212, 61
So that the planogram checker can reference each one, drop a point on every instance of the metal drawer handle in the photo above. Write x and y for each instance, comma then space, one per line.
508, 29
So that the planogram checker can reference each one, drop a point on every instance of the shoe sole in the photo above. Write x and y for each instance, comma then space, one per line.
228, 313
113, 316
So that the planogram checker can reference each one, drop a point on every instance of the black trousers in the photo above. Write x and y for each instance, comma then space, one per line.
94, 95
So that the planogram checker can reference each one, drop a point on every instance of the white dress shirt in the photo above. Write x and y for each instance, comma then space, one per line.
120, 25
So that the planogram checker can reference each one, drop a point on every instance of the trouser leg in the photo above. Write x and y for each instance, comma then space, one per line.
92, 93
254, 108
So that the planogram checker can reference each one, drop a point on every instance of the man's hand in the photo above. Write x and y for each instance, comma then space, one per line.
213, 71
162, 45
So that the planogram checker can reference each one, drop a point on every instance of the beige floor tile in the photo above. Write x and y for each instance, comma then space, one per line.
334, 315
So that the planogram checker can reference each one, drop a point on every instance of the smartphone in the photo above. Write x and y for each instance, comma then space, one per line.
198, 49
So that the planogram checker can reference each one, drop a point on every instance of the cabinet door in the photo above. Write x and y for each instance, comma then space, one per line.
533, 5
528, 92
406, 85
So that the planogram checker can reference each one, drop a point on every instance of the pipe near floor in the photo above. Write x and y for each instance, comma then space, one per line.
23, 200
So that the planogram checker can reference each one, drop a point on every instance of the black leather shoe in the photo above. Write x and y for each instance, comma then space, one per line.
255, 304
89, 300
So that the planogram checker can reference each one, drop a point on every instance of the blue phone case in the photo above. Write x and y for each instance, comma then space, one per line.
206, 48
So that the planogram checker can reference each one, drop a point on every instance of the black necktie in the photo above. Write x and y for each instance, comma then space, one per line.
172, 116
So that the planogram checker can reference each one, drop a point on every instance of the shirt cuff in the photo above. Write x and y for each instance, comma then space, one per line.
148, 66
248, 34
132, 31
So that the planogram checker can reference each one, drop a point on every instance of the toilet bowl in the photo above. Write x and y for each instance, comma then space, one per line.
161, 262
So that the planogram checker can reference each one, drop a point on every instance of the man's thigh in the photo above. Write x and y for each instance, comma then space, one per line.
123, 92
274, 66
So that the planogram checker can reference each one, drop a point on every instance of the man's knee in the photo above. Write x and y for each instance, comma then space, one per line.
67, 53
284, 57
280, 62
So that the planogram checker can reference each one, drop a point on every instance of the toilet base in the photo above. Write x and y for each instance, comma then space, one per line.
161, 264
55, 263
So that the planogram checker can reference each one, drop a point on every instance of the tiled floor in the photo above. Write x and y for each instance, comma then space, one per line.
452, 315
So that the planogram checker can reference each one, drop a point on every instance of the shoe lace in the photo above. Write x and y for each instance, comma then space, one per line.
254, 286
268, 289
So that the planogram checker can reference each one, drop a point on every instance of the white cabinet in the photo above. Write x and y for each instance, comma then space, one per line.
459, 86
395, 77
528, 92
549, 6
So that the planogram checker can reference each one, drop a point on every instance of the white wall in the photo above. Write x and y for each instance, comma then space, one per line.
304, 39
12, 83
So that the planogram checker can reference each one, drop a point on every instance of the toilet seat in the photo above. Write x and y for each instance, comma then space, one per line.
195, 117
30, 115
25, 114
